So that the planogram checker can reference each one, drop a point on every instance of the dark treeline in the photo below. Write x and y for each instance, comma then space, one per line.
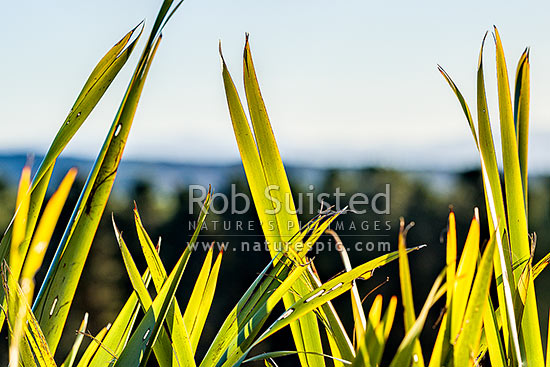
422, 198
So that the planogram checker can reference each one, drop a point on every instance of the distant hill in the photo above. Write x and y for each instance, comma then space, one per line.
169, 176
164, 175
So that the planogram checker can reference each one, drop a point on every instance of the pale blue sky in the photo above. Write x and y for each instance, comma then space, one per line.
345, 82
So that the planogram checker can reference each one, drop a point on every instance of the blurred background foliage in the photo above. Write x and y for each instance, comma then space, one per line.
422, 197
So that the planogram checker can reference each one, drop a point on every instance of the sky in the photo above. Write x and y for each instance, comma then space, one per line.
346, 83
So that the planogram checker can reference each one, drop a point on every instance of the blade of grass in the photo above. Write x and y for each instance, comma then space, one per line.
193, 306
360, 320
451, 261
174, 318
59, 286
263, 151
37, 251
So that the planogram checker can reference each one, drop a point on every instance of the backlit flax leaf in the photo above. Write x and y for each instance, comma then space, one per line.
57, 292
250, 159
491, 181
94, 347
20, 220
264, 171
239, 345
174, 318
405, 353
468, 340
69, 361
359, 317
492, 336
548, 345
180, 342
450, 278
284, 353
517, 218
517, 224
115, 338
323, 294
409, 314
140, 345
541, 265
489, 164
373, 347
231, 325
465, 275
165, 354
34, 208
255, 298
43, 234
521, 116
205, 304
371, 344
269, 152
95, 87
193, 306
32, 344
